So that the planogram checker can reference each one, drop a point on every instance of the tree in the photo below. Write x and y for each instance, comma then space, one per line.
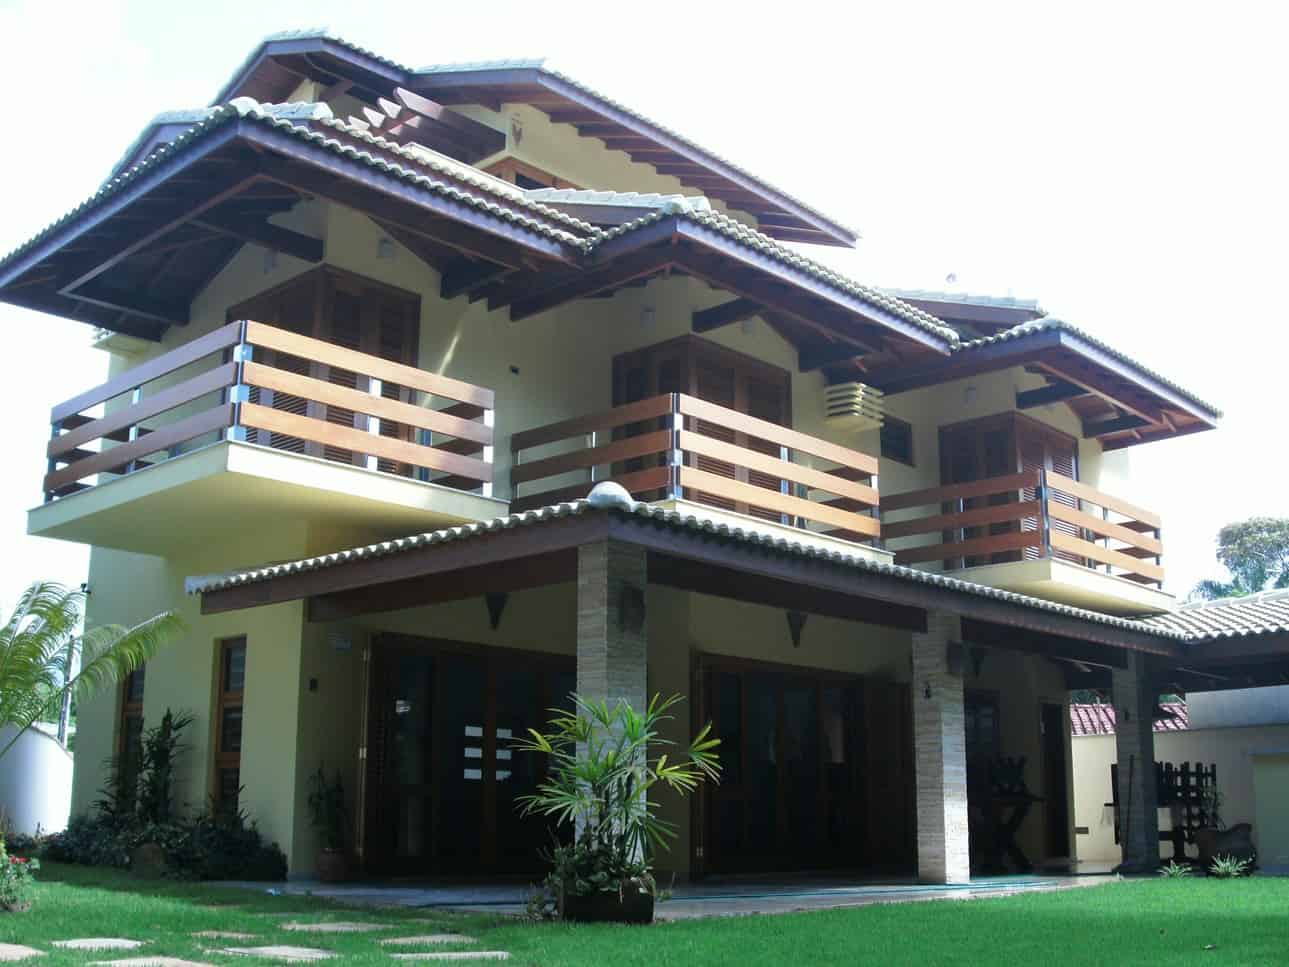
43, 659
1256, 553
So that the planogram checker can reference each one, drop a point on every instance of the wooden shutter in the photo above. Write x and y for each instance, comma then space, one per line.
292, 307
714, 384
344, 327
765, 401
394, 332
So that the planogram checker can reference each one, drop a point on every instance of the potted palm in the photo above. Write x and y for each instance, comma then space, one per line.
599, 780
330, 818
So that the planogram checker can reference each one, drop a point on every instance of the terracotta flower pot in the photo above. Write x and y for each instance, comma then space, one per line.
331, 866
634, 904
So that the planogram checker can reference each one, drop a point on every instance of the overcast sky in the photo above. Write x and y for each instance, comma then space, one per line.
1126, 165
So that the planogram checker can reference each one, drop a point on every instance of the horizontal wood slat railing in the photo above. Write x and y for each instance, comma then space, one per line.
223, 385
665, 447
1034, 514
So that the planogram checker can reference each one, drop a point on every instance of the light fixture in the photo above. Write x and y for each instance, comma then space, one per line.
270, 260
648, 317
385, 248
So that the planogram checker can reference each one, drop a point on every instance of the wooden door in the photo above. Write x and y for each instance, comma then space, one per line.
891, 795
1056, 806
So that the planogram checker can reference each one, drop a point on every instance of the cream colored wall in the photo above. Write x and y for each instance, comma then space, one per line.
1230, 749
1271, 793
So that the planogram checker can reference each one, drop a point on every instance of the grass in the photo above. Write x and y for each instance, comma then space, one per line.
1146, 922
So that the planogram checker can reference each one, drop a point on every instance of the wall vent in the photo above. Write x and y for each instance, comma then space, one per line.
853, 406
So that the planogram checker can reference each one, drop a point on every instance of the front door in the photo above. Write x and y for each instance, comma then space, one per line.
442, 781
791, 790
1056, 806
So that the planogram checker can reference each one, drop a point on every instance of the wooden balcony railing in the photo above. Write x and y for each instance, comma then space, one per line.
256, 383
1026, 516
676, 446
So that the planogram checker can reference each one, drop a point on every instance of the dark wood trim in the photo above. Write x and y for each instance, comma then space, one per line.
226, 699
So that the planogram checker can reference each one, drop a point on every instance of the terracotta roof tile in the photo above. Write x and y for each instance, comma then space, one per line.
1098, 719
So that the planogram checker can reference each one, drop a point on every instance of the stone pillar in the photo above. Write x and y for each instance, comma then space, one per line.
611, 634
1135, 694
939, 742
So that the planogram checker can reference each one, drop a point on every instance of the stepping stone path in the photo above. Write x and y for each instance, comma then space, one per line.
224, 935
335, 926
429, 938
456, 955
99, 943
281, 952
152, 962
16, 951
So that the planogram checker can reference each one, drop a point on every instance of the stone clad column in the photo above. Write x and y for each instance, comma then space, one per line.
1135, 694
939, 744
612, 653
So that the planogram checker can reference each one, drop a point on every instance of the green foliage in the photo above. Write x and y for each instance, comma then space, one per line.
17, 874
1256, 553
327, 809
39, 641
599, 781
1229, 867
1211, 806
161, 746
1175, 871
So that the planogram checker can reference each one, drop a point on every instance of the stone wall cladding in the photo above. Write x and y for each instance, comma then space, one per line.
612, 661
939, 741
1135, 693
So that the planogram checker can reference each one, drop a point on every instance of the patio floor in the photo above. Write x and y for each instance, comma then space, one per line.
724, 896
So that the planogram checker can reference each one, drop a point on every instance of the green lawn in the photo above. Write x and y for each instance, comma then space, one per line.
1147, 922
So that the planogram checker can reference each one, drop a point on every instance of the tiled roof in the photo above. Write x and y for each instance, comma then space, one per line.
662, 517
1048, 324
765, 245
1264, 613
248, 109
967, 299
620, 199
1098, 719
529, 63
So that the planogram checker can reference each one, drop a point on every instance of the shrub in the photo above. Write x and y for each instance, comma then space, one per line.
1174, 870
1229, 867
17, 874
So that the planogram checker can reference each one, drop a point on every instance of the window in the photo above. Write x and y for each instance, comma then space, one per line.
228, 721
130, 733
897, 440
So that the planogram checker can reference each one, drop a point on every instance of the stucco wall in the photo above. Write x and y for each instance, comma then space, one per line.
1230, 749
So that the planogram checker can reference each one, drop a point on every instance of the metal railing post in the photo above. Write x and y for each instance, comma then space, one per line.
239, 392
1045, 518
489, 451
675, 457
55, 431
374, 387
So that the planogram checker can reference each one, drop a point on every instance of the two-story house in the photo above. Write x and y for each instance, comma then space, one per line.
375, 334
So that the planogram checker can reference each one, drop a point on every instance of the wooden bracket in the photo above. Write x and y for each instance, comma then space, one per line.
796, 624
496, 602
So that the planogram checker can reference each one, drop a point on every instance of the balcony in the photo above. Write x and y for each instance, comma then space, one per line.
263, 425
710, 461
1038, 533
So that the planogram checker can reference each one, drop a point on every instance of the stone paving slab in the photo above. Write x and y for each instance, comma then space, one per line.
99, 943
16, 951
283, 952
456, 955
335, 926
429, 938
151, 962
224, 935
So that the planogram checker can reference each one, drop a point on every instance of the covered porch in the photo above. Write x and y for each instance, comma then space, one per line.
851, 696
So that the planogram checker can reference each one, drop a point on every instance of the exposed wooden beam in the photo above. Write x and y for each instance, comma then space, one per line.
831, 354
284, 240
1122, 422
466, 275
483, 138
727, 313
136, 303
1058, 391
580, 285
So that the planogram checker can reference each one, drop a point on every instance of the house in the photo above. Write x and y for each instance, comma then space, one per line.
376, 332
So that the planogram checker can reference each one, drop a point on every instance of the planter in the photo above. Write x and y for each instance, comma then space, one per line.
634, 904
331, 866
1205, 839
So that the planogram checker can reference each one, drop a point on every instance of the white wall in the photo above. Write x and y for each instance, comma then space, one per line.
1240, 706
35, 782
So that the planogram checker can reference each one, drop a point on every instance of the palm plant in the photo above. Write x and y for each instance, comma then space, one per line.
600, 779
40, 647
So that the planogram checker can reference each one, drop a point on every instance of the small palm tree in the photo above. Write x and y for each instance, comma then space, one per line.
600, 778
40, 647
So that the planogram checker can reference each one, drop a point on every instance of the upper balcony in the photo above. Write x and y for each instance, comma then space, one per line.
263, 426
710, 460
1037, 532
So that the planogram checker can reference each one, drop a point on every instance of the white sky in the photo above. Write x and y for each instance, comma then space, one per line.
1124, 164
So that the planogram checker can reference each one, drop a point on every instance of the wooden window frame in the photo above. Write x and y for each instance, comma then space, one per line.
892, 421
129, 711
509, 167
226, 699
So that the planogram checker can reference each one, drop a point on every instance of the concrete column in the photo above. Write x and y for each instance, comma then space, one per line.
611, 634
939, 742
1135, 694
